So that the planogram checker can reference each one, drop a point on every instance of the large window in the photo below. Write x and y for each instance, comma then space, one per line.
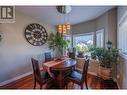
100, 38
86, 39
122, 35
68, 37
82, 40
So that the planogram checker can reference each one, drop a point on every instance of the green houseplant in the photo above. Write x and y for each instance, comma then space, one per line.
57, 42
81, 49
106, 60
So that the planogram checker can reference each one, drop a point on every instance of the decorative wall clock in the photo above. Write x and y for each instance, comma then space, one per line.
36, 34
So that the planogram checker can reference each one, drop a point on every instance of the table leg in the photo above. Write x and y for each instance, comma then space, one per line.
61, 80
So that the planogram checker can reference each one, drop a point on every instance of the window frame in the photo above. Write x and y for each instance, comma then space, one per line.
83, 34
122, 24
97, 32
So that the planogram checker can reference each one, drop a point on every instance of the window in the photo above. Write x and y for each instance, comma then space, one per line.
122, 35
100, 38
86, 39
68, 37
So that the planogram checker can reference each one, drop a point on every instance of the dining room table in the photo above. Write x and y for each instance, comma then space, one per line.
61, 66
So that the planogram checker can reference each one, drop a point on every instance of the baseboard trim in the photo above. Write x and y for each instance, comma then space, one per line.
27, 74
15, 78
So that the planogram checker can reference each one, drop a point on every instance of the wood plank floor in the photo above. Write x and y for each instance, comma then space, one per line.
93, 83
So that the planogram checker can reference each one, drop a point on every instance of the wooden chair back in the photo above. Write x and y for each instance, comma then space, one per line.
85, 70
36, 70
48, 56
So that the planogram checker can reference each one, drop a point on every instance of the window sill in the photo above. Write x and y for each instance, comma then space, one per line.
123, 56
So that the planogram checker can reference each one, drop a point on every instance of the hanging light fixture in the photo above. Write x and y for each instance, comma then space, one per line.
60, 28
64, 10
68, 25
64, 29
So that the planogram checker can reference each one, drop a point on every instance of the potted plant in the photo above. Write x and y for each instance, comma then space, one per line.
81, 49
92, 51
106, 60
57, 42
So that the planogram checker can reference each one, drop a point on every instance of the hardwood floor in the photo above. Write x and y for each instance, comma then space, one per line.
93, 83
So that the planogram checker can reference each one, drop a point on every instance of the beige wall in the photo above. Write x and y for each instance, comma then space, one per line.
85, 27
112, 26
107, 21
102, 23
15, 51
122, 66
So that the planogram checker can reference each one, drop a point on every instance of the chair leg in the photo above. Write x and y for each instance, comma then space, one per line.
86, 84
66, 86
74, 67
40, 86
72, 84
81, 86
34, 83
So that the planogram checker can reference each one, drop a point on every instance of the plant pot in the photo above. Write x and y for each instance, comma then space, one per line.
105, 73
71, 55
80, 54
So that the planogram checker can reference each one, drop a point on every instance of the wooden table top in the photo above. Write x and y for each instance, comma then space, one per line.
61, 64
68, 63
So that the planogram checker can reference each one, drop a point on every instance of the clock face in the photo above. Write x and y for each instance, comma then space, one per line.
36, 34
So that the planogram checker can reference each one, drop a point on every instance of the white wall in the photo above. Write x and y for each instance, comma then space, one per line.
15, 51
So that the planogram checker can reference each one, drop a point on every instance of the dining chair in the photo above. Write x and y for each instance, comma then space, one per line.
48, 56
40, 77
79, 77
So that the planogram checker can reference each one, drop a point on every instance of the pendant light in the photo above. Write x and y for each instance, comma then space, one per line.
63, 28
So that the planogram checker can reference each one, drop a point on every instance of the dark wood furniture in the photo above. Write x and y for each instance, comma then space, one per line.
77, 77
40, 77
62, 67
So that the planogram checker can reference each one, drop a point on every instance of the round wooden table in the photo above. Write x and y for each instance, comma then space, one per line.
63, 67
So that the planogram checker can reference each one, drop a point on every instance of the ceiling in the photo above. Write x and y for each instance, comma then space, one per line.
49, 14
